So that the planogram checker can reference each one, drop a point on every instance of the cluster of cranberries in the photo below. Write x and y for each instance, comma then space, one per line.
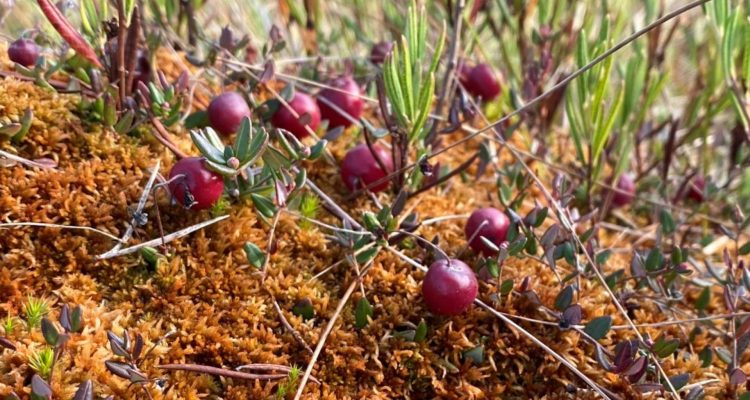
450, 286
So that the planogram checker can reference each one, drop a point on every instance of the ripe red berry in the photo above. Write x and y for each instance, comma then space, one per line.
360, 168
625, 193
344, 95
301, 104
380, 52
226, 111
696, 190
24, 52
198, 188
482, 82
494, 229
449, 287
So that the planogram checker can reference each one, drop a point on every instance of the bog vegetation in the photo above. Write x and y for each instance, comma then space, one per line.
356, 199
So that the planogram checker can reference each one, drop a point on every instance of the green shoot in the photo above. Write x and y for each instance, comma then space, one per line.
35, 309
408, 87
42, 362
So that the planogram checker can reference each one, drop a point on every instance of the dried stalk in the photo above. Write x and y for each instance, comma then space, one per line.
161, 240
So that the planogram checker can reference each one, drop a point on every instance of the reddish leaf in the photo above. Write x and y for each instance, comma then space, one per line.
68, 33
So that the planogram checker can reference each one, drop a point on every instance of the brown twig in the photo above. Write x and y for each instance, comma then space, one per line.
163, 136
289, 327
122, 37
449, 76
227, 373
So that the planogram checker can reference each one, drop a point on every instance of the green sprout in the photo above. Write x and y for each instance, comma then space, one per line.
35, 310
42, 362
290, 386
9, 325
308, 208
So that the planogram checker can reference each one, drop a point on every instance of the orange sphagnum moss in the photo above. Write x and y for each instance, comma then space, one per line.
221, 313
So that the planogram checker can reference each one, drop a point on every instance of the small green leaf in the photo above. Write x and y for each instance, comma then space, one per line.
724, 355
598, 327
76, 320
50, 332
367, 255
242, 143
706, 356
475, 354
28, 117
703, 299
198, 119
304, 309
678, 381
125, 124
665, 348
362, 312
206, 148
745, 249
255, 255
654, 260
264, 206
667, 222
564, 298
421, 333
317, 149
506, 287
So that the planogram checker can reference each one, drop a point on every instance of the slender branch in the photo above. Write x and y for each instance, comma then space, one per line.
331, 205
24, 161
164, 137
122, 36
289, 327
449, 76
139, 209
227, 373
161, 240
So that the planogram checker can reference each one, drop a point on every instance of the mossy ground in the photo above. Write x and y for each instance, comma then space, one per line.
222, 311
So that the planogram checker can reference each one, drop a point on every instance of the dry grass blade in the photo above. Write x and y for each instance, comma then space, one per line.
162, 240
139, 209
24, 161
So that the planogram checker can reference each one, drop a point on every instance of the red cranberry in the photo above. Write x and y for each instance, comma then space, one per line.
696, 190
199, 188
494, 230
449, 287
482, 82
24, 52
360, 169
301, 104
380, 52
344, 94
226, 111
625, 191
